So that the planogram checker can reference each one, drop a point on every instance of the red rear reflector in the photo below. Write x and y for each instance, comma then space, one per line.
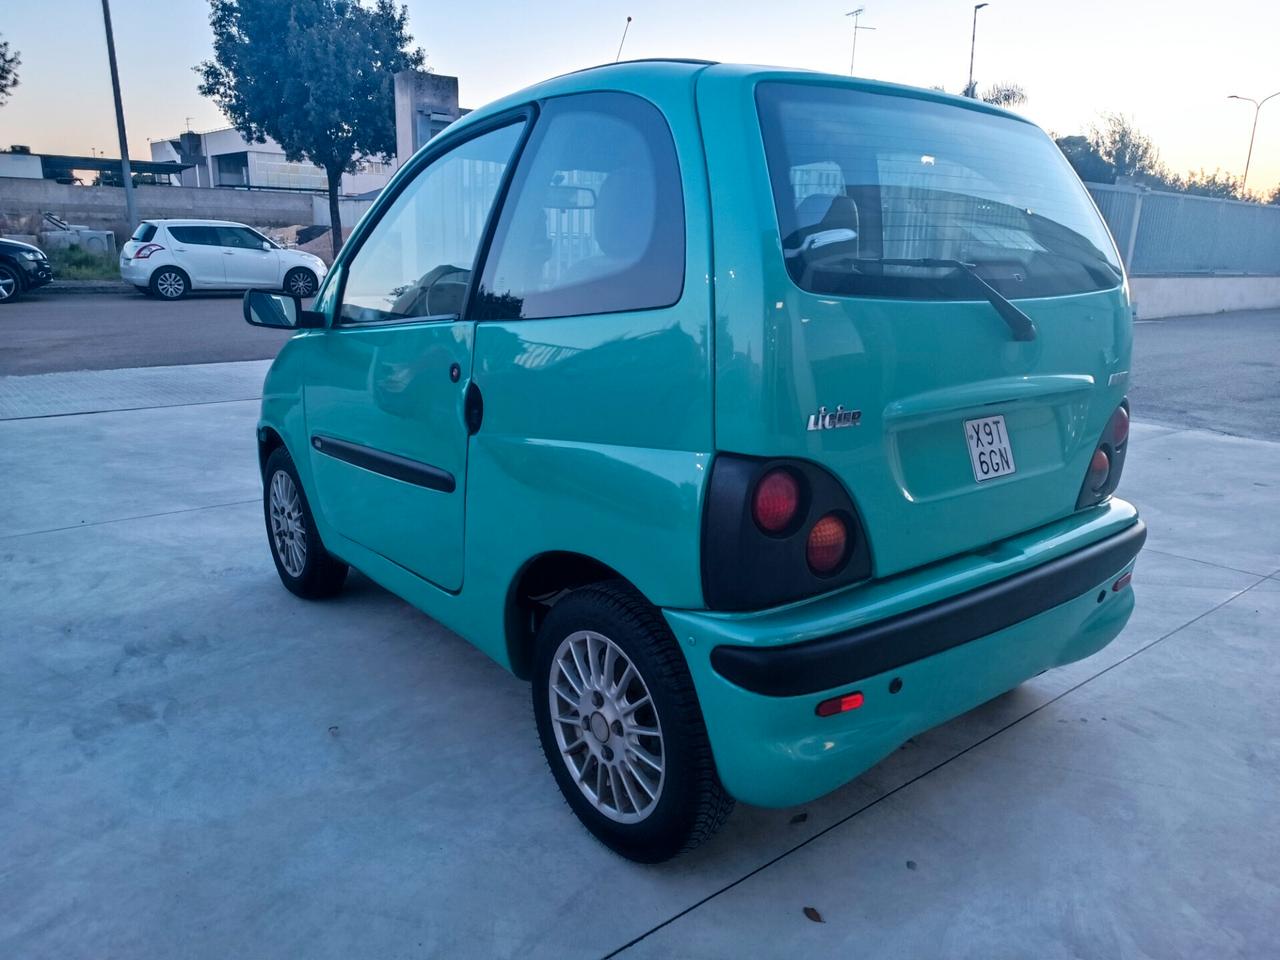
850, 701
1121, 583
1120, 426
1099, 469
776, 501
828, 544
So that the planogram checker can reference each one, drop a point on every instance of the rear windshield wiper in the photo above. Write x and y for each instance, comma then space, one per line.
1023, 327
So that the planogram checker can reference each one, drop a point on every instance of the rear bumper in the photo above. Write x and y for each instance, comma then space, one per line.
955, 634
136, 272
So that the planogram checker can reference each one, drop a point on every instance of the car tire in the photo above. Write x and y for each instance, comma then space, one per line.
170, 283
10, 284
604, 649
300, 282
306, 568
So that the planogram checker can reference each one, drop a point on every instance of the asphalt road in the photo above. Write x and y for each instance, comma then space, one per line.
48, 332
1220, 372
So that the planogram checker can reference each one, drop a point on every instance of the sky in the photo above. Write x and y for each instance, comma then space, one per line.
1170, 66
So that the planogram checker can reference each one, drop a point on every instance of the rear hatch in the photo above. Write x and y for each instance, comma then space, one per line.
898, 229
145, 234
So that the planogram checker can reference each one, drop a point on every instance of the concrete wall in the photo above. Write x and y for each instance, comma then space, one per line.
23, 201
1156, 297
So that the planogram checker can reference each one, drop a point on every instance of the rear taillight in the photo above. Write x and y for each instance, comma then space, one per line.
776, 501
827, 546
146, 250
1103, 475
775, 531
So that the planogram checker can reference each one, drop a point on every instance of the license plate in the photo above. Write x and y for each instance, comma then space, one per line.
990, 452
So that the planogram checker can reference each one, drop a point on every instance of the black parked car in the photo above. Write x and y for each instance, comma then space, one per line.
22, 268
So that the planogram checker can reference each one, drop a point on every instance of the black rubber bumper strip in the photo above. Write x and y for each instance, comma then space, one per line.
846, 658
387, 464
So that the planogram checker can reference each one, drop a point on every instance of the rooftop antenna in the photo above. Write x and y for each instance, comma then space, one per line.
856, 27
623, 40
189, 124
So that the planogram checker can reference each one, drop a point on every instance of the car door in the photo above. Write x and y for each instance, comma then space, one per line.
250, 261
196, 251
385, 397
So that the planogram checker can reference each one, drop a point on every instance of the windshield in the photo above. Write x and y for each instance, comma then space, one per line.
891, 196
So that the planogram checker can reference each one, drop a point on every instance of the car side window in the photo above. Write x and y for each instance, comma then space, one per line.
595, 223
198, 236
238, 237
417, 260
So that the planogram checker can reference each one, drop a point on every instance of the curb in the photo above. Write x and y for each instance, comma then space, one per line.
86, 286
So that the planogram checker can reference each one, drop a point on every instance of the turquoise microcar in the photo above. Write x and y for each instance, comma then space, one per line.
762, 419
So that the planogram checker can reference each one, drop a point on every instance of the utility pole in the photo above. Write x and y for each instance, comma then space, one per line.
1257, 108
969, 91
126, 176
855, 14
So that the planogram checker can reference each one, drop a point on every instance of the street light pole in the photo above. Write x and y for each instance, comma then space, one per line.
1257, 108
855, 14
126, 176
973, 43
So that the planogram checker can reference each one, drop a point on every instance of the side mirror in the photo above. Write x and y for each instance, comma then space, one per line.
279, 310
266, 245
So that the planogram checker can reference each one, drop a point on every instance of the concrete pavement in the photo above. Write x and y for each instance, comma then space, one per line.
195, 763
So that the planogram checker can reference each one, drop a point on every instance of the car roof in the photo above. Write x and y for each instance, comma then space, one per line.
161, 222
636, 76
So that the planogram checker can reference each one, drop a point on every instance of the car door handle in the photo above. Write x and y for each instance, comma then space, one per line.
228, 253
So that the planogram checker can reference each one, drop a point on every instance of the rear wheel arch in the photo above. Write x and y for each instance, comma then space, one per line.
268, 441
535, 589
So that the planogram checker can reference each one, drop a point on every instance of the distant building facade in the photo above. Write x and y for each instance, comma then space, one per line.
223, 158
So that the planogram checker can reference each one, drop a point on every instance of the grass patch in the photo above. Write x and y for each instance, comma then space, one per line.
74, 263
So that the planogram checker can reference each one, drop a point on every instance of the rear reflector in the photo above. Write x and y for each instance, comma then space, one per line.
850, 701
1122, 582
1099, 469
828, 544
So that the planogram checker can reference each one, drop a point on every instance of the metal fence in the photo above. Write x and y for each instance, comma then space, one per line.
1171, 234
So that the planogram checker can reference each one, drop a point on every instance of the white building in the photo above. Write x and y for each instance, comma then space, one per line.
223, 158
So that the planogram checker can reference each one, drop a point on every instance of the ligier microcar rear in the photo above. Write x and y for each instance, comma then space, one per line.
761, 419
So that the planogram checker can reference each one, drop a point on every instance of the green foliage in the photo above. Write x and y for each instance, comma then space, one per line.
1005, 95
1275, 195
1216, 184
1123, 147
316, 76
74, 263
9, 63
1085, 159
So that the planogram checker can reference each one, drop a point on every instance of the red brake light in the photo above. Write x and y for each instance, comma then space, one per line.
1099, 469
841, 704
146, 250
828, 544
1119, 427
776, 501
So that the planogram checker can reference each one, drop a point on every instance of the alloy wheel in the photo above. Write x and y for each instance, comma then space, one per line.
288, 534
8, 285
302, 284
170, 285
606, 726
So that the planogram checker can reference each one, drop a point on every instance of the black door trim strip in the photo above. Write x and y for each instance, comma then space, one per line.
387, 464
846, 658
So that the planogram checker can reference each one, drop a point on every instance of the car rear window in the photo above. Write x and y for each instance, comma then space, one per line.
144, 233
882, 195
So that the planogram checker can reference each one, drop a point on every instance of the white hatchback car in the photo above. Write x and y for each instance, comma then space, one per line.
170, 258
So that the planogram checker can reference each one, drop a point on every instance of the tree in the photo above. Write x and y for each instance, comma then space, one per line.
316, 76
1085, 159
9, 63
1216, 184
1005, 95
1275, 196
1128, 151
